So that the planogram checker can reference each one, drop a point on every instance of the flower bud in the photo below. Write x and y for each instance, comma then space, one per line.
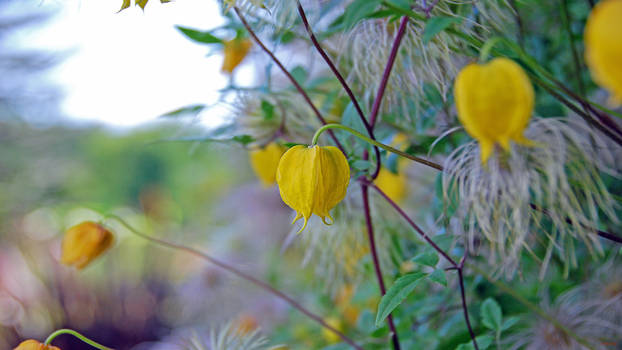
312, 180
85, 242
494, 103
264, 162
393, 185
603, 46
235, 51
34, 345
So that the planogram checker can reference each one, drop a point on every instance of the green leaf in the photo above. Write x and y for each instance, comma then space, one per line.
439, 277
436, 25
396, 294
491, 314
358, 10
243, 139
300, 74
428, 258
403, 4
483, 342
192, 109
509, 322
268, 110
200, 36
361, 165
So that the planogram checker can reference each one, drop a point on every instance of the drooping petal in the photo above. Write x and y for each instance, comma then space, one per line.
313, 180
494, 103
603, 46
264, 162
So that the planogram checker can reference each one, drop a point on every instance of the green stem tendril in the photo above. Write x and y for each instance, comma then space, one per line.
531, 306
373, 142
487, 48
77, 335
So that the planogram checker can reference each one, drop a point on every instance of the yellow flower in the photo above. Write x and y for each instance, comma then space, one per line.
603, 46
329, 335
494, 102
393, 185
85, 242
312, 180
235, 51
264, 162
34, 345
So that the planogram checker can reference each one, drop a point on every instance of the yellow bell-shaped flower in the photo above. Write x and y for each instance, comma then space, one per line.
312, 180
494, 103
393, 185
34, 345
85, 242
264, 162
329, 335
235, 51
603, 46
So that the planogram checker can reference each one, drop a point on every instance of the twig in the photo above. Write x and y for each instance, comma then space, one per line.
240, 274
465, 309
374, 254
302, 92
339, 77
573, 46
387, 70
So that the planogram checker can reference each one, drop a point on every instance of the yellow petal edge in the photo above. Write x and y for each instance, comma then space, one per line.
494, 103
313, 180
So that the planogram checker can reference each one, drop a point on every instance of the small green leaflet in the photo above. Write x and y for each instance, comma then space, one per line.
268, 110
436, 25
491, 314
396, 294
483, 342
192, 109
439, 277
200, 36
427, 257
358, 10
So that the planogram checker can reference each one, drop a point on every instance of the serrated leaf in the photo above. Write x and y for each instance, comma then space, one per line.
436, 25
509, 322
203, 37
396, 294
192, 109
439, 277
427, 258
491, 314
358, 10
483, 342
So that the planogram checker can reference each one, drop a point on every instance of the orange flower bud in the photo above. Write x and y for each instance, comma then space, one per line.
85, 242
34, 345
235, 51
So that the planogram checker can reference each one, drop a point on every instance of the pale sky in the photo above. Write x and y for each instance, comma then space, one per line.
131, 67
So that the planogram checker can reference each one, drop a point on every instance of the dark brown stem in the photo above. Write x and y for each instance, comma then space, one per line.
374, 254
603, 234
339, 77
415, 226
519, 24
243, 275
465, 309
573, 47
387, 70
302, 92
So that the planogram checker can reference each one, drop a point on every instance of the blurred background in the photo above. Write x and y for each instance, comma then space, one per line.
81, 94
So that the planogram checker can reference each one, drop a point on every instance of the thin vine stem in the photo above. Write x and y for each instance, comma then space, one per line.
265, 286
465, 309
376, 261
300, 89
77, 335
341, 79
387, 71
375, 143
531, 306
